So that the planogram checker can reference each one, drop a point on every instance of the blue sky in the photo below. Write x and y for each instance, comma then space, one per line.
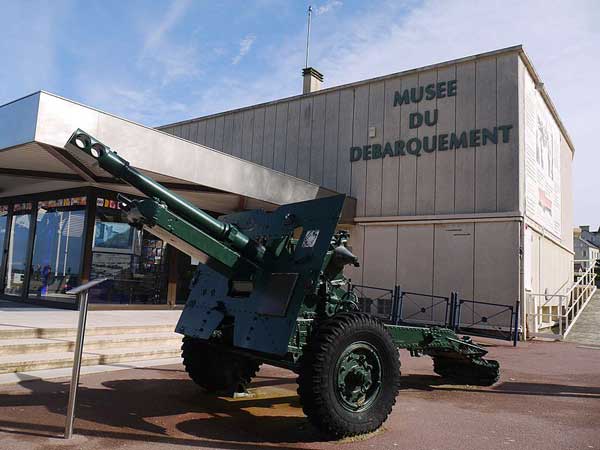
158, 62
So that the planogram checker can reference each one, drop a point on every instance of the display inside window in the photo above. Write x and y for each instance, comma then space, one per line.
16, 264
115, 237
132, 260
58, 247
3, 224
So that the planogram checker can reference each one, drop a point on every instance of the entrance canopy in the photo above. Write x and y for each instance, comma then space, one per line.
34, 130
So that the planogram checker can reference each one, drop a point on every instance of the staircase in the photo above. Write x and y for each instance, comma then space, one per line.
587, 328
31, 350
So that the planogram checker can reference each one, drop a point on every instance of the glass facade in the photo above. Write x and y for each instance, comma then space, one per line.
52, 244
57, 250
131, 259
3, 225
16, 261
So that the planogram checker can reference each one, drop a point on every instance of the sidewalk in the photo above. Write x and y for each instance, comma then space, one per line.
547, 399
16, 316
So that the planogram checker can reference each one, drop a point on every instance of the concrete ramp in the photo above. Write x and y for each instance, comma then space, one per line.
587, 328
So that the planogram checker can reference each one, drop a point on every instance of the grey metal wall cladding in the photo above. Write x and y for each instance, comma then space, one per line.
310, 137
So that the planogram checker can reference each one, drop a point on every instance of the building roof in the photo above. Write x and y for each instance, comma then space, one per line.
513, 49
587, 243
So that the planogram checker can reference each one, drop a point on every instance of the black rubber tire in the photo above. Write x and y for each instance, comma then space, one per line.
216, 370
317, 383
476, 372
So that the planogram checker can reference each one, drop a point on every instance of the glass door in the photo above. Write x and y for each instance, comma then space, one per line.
16, 261
3, 232
57, 251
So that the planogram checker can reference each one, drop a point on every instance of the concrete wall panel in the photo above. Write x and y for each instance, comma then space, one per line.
258, 135
202, 132
453, 262
281, 114
330, 144
228, 133
306, 114
566, 186
317, 141
407, 194
359, 139
497, 245
291, 150
238, 128
425, 198
464, 184
345, 138
247, 134
210, 133
391, 166
375, 166
508, 114
219, 130
485, 117
445, 159
269, 137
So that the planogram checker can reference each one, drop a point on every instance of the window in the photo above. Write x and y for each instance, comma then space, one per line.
3, 222
16, 263
132, 260
58, 248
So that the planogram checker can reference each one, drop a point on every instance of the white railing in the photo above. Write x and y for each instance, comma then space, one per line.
548, 313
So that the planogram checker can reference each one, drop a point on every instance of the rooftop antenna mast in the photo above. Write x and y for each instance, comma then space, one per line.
308, 35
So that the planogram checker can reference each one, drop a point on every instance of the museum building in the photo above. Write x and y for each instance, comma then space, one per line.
458, 176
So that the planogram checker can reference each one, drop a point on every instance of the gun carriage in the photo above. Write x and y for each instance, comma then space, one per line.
271, 289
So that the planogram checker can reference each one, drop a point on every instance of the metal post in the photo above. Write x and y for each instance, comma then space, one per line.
458, 304
308, 36
400, 301
450, 312
83, 307
516, 324
82, 297
560, 316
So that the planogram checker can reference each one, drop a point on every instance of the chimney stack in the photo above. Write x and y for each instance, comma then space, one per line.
312, 80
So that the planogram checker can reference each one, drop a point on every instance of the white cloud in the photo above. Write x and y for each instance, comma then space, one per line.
327, 7
245, 46
144, 106
163, 57
174, 13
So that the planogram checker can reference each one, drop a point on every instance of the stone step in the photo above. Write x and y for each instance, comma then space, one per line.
15, 332
23, 346
53, 360
65, 372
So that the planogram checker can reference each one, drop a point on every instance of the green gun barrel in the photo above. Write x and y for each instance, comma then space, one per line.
120, 168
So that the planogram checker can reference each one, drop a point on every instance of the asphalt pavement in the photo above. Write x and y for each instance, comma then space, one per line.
548, 398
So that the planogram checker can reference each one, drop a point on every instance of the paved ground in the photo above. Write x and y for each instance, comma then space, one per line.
14, 316
587, 328
548, 398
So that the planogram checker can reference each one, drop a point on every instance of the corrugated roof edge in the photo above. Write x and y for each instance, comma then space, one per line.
515, 48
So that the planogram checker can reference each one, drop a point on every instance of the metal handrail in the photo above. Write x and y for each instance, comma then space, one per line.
82, 295
569, 307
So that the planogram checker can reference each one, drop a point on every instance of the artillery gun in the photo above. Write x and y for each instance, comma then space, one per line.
271, 290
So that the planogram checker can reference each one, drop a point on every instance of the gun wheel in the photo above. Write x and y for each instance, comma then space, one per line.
216, 370
349, 375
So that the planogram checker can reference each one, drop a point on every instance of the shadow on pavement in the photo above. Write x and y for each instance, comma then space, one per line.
432, 383
173, 411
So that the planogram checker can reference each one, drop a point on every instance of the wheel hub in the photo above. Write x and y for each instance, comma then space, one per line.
358, 372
